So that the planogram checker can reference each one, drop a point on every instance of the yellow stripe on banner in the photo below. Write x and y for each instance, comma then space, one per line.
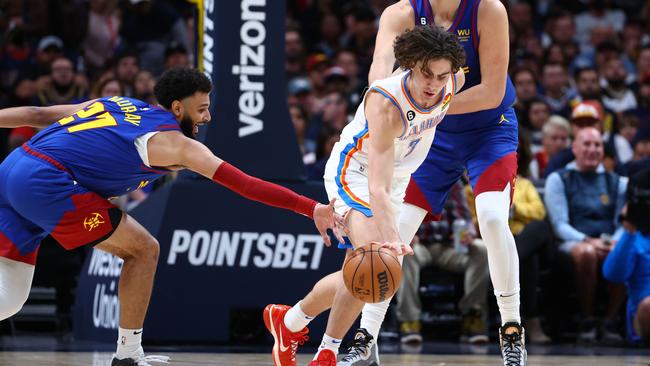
200, 31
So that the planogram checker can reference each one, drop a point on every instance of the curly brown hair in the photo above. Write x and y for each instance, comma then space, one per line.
427, 43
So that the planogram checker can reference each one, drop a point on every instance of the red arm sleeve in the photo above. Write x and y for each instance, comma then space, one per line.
262, 191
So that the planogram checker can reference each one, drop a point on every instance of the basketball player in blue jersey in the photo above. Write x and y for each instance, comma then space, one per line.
59, 182
368, 172
479, 134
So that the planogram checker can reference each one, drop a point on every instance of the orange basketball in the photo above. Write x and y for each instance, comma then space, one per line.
372, 273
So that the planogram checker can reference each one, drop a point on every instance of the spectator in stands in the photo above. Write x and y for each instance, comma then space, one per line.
330, 32
299, 90
433, 245
336, 80
584, 114
143, 87
149, 26
641, 146
629, 260
538, 114
598, 15
587, 82
107, 87
35, 75
316, 65
561, 30
643, 93
643, 62
583, 203
126, 68
617, 95
628, 126
295, 53
63, 87
348, 61
555, 138
102, 34
299, 121
526, 88
557, 91
176, 56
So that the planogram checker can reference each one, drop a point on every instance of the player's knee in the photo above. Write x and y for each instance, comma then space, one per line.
584, 254
491, 220
644, 312
148, 249
13, 303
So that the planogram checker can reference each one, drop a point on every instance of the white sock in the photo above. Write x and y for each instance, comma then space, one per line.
295, 319
508, 306
492, 209
329, 343
372, 316
128, 342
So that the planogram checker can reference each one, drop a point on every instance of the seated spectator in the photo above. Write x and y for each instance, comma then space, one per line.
433, 245
622, 141
63, 87
538, 114
176, 56
143, 85
107, 87
641, 146
555, 138
583, 202
584, 114
629, 260
557, 91
526, 87
617, 95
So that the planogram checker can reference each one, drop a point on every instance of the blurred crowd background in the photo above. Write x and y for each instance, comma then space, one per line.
582, 74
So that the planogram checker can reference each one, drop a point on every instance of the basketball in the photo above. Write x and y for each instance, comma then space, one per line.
371, 273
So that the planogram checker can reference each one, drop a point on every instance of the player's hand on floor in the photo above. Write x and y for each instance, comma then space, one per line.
325, 218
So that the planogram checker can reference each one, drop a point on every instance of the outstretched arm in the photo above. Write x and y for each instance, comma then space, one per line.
493, 57
384, 125
39, 117
174, 149
394, 20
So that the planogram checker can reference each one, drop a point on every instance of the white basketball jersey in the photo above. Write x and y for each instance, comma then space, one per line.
411, 148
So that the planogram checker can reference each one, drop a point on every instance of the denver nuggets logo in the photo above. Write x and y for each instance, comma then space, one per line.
410, 115
445, 101
604, 199
93, 221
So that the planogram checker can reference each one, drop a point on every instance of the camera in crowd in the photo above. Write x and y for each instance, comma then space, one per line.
638, 201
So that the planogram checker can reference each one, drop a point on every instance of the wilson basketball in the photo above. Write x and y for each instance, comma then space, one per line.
371, 273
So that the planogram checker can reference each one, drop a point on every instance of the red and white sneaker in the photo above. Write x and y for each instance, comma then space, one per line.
325, 358
286, 342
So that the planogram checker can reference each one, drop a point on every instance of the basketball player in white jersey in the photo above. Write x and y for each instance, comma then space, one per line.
368, 171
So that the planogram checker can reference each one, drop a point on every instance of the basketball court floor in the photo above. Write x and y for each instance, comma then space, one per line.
52, 351
253, 359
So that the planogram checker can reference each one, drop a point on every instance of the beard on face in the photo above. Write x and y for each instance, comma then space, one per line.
187, 126
616, 83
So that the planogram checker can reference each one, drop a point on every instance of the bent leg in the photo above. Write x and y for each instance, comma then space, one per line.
15, 283
139, 250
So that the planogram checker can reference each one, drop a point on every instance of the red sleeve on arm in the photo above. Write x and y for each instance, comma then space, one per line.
262, 191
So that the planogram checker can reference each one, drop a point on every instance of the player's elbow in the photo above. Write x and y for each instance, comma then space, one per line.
495, 96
